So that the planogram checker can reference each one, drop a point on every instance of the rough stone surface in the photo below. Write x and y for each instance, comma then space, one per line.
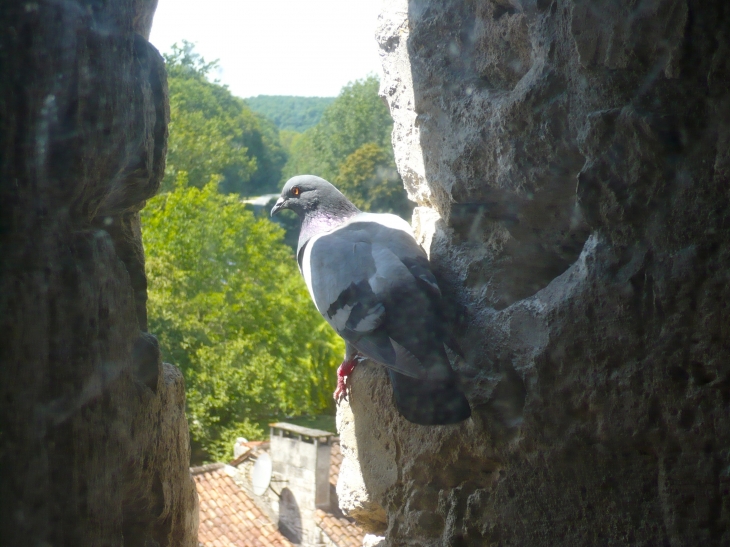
571, 163
374, 460
93, 438
371, 540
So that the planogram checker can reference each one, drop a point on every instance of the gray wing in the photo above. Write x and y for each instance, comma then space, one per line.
351, 274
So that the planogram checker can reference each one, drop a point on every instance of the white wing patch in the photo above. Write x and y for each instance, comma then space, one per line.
369, 323
372, 320
339, 319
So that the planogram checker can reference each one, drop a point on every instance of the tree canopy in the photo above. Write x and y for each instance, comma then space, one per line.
290, 113
231, 310
214, 133
369, 178
351, 148
225, 297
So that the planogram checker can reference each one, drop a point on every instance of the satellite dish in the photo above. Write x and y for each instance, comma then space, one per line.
261, 474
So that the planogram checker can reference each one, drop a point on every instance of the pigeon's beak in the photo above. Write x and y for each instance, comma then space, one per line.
278, 206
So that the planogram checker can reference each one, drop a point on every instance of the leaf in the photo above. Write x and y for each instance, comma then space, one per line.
351, 148
231, 310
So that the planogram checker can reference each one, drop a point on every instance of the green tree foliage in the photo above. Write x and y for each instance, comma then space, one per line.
214, 133
290, 113
369, 179
351, 148
305, 158
225, 298
287, 139
230, 309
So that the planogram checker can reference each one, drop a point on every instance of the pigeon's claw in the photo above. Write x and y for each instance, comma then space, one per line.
343, 373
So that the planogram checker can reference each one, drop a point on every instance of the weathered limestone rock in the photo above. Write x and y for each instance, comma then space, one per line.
375, 460
93, 438
571, 161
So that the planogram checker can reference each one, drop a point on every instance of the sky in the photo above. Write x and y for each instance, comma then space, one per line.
308, 48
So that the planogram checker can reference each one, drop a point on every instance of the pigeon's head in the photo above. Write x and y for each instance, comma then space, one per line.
307, 194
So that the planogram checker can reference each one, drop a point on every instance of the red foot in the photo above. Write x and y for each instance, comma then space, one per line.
343, 373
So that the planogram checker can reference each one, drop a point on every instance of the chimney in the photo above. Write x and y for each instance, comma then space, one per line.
300, 459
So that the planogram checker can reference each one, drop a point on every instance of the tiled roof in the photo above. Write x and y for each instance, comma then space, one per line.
228, 517
340, 529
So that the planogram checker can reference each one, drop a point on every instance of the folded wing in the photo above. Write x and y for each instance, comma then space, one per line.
351, 274
373, 283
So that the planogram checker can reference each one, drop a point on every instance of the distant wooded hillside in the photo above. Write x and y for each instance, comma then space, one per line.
214, 135
291, 113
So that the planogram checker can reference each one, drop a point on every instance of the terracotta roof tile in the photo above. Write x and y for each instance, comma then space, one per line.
228, 517
341, 530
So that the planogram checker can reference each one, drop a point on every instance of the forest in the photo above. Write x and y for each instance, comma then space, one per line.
226, 300
290, 113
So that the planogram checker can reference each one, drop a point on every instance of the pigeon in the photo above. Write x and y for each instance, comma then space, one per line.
372, 283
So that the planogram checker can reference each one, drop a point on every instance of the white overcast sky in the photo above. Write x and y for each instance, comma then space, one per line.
276, 47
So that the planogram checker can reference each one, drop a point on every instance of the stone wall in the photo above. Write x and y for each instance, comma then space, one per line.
93, 438
570, 160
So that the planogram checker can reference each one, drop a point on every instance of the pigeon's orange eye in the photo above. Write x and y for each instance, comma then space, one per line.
295, 191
